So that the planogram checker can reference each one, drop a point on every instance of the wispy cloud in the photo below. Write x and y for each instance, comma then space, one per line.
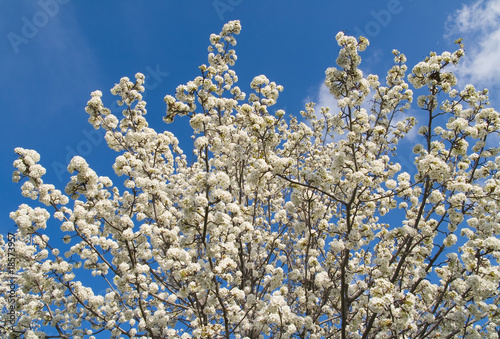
479, 25
64, 58
325, 99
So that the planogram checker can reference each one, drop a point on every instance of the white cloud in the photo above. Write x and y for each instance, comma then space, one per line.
326, 99
322, 98
479, 25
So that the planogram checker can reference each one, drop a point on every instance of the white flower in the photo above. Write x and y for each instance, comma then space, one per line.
450, 240
391, 184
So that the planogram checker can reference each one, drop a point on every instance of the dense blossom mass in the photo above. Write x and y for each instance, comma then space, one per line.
280, 226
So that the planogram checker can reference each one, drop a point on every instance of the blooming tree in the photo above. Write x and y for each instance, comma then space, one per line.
280, 226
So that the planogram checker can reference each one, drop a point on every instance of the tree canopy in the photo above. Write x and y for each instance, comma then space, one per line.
281, 226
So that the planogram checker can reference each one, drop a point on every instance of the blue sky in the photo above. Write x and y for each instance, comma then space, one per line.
53, 53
